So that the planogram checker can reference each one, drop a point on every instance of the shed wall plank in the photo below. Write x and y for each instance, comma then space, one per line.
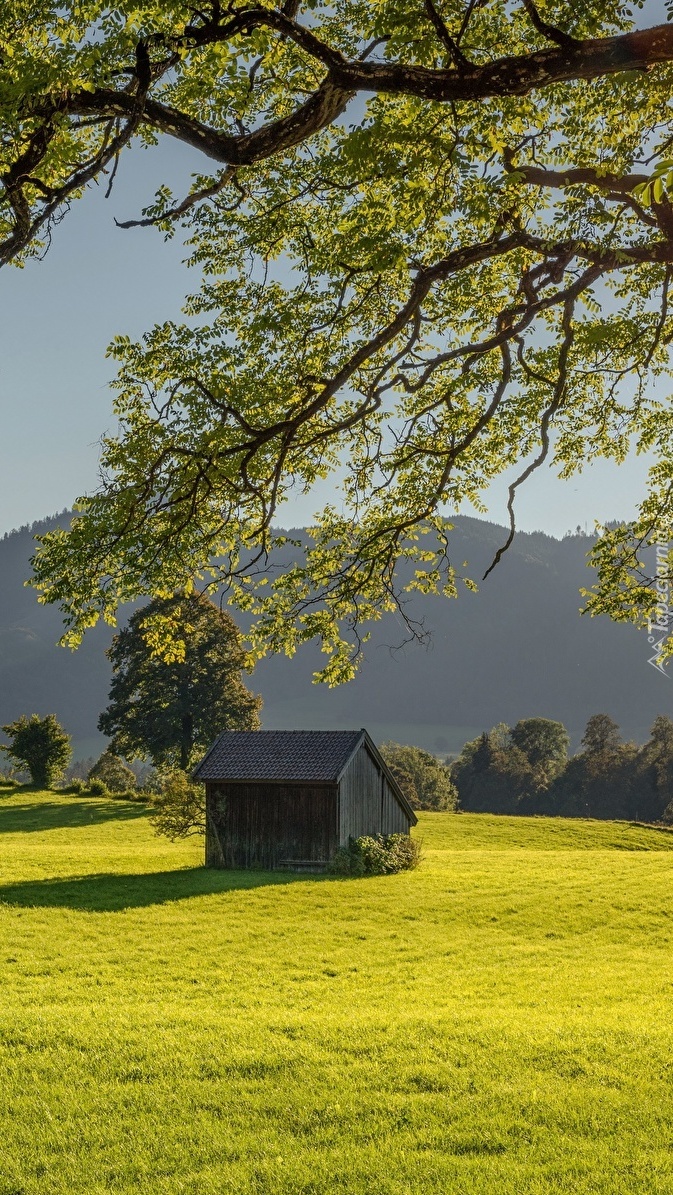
367, 803
261, 825
393, 818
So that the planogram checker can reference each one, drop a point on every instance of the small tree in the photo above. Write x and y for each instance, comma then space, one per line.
652, 779
41, 746
180, 807
602, 780
545, 744
171, 709
602, 736
112, 772
425, 782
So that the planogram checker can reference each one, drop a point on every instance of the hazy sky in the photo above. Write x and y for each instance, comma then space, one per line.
59, 314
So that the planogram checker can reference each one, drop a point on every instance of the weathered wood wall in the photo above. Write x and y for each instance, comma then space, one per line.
367, 804
393, 818
263, 825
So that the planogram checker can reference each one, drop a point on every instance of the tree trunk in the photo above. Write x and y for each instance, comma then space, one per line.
186, 741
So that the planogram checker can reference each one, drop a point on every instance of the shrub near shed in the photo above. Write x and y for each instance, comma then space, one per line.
380, 854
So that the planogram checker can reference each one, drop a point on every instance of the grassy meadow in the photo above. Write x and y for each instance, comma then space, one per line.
499, 1021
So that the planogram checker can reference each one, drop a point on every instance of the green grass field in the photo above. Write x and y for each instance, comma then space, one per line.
499, 1021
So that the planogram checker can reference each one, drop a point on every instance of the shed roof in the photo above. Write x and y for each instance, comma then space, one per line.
279, 755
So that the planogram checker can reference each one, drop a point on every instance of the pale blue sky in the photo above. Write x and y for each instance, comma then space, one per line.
59, 314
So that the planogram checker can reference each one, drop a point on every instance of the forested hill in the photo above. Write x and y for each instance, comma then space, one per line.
517, 648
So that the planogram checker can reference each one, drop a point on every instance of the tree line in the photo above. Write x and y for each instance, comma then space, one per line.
525, 769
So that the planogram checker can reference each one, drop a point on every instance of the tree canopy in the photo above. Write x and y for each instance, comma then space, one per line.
425, 782
111, 770
435, 241
171, 709
544, 743
526, 770
40, 745
511, 770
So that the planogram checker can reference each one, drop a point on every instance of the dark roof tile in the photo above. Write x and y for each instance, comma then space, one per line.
278, 755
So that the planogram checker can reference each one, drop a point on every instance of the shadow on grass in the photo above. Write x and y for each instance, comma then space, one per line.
108, 893
55, 814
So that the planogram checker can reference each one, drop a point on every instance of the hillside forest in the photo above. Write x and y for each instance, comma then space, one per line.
515, 649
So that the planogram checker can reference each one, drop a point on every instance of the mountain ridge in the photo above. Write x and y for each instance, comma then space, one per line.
517, 648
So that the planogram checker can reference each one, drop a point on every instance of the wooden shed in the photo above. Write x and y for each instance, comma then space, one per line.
288, 798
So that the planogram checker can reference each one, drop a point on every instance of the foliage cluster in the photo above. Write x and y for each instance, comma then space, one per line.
80, 768
107, 776
111, 771
526, 770
74, 788
40, 746
434, 245
170, 708
425, 782
179, 806
379, 854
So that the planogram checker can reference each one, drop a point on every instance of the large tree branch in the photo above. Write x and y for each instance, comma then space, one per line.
568, 61
515, 75
618, 187
537, 176
425, 279
28, 226
320, 109
285, 432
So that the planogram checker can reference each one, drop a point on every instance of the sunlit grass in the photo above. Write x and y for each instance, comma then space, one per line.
498, 1021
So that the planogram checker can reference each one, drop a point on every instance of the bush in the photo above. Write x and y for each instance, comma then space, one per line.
381, 854
132, 794
96, 788
180, 807
75, 788
113, 772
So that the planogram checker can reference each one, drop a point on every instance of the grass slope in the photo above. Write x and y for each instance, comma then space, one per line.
496, 1022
